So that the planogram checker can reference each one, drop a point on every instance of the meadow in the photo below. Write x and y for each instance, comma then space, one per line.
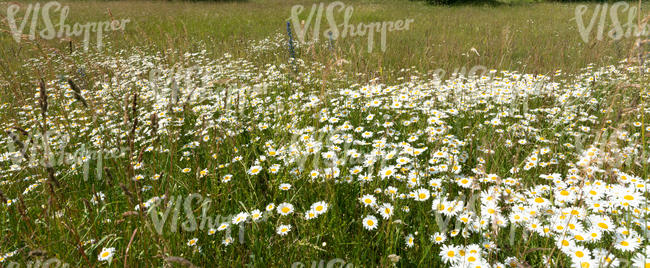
205, 134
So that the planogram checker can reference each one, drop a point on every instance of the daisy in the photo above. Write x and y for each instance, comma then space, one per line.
564, 243
410, 241
226, 178
391, 191
386, 210
370, 222
403, 160
641, 260
192, 242
421, 194
586, 262
223, 226
579, 254
449, 254
603, 223
106, 254
356, 170
310, 214
256, 215
274, 168
282, 230
438, 238
594, 235
464, 182
320, 207
387, 172
365, 177
368, 200
285, 209
604, 258
254, 170
239, 218
285, 186
627, 243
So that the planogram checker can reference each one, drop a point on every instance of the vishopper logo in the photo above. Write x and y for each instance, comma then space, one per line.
31, 16
168, 82
344, 29
49, 263
172, 215
599, 17
51, 149
323, 153
476, 71
197, 84
607, 148
321, 264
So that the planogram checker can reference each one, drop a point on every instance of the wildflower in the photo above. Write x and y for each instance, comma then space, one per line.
285, 209
239, 218
282, 230
627, 243
320, 207
106, 254
285, 186
138, 177
310, 214
223, 226
256, 215
368, 200
387, 172
386, 210
370, 222
438, 238
422, 194
254, 170
449, 254
410, 241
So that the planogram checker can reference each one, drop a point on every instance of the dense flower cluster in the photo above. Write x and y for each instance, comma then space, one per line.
474, 159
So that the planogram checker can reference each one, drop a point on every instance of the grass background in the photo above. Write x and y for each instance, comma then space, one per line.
539, 38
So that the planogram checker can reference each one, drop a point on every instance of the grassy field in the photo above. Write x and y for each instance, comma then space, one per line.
195, 138
537, 39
